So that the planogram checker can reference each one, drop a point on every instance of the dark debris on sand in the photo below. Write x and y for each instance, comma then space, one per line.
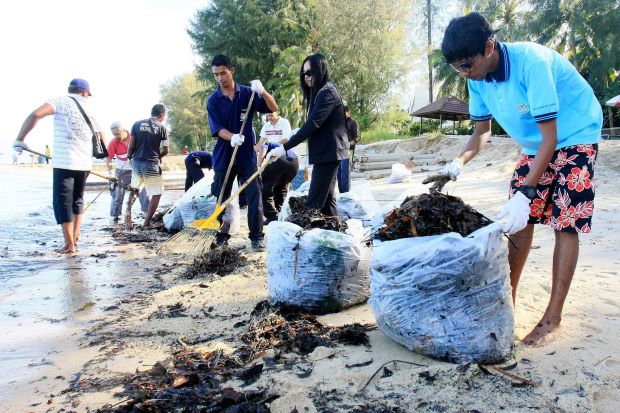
431, 214
220, 261
313, 218
194, 381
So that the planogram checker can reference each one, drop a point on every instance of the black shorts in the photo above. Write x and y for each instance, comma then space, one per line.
68, 194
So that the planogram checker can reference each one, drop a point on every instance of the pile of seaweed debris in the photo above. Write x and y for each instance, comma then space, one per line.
190, 380
313, 218
431, 214
221, 261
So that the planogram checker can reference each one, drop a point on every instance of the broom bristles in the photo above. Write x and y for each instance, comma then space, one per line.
188, 241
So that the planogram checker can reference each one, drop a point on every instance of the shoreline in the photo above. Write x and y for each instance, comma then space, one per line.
578, 372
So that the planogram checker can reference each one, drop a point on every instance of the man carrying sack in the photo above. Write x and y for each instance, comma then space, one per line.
74, 127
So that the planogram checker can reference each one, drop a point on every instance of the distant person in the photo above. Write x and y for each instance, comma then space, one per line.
344, 169
121, 170
276, 179
276, 130
148, 144
15, 157
195, 162
73, 155
325, 130
545, 105
227, 108
48, 153
185, 150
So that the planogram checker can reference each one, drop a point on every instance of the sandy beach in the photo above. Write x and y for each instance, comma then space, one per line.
155, 312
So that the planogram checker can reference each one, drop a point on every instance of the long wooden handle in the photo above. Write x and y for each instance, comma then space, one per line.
234, 155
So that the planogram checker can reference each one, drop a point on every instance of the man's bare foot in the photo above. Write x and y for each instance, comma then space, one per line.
544, 333
147, 224
66, 250
128, 220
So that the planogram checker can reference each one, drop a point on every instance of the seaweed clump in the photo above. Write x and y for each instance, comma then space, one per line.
313, 218
431, 214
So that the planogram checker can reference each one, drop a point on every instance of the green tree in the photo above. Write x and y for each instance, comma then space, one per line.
251, 32
187, 115
365, 44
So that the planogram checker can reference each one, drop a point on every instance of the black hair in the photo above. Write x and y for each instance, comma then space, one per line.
320, 76
157, 110
76, 90
346, 108
221, 60
466, 37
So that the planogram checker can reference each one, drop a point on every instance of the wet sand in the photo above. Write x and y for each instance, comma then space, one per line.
112, 338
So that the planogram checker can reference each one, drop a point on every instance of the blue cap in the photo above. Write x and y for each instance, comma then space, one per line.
81, 83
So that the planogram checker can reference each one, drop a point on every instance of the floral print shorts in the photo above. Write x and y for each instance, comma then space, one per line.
565, 191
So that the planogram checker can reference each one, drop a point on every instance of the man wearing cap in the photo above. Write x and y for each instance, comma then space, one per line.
73, 151
121, 170
148, 136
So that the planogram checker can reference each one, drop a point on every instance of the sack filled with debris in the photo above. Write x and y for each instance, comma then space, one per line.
173, 221
359, 203
320, 271
445, 296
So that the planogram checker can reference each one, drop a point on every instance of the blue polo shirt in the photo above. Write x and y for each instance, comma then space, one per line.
534, 84
228, 114
272, 146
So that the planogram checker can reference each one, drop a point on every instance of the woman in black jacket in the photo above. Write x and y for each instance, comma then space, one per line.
325, 130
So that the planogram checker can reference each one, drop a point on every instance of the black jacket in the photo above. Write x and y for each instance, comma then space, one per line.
325, 128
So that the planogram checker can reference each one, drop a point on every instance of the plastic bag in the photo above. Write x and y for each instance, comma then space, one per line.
359, 203
318, 270
446, 296
400, 173
173, 221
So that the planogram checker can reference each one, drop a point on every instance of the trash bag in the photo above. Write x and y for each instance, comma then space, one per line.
400, 173
319, 271
173, 221
359, 203
445, 296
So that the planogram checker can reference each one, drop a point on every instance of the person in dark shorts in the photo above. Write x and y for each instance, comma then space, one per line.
545, 105
73, 152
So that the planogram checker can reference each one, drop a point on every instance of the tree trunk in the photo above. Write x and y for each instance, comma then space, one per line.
429, 52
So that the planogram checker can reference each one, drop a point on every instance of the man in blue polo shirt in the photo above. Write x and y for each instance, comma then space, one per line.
541, 101
227, 108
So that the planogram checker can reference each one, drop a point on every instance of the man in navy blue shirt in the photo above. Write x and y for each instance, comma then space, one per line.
227, 107
543, 103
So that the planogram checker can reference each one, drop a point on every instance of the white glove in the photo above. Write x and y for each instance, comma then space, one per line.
257, 86
19, 146
276, 153
452, 169
236, 140
111, 174
515, 214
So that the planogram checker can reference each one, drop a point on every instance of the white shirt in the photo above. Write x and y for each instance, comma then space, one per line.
73, 147
273, 133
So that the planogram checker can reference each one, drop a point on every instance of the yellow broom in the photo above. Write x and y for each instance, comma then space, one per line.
196, 238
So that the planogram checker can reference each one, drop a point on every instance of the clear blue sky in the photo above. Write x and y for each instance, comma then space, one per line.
125, 49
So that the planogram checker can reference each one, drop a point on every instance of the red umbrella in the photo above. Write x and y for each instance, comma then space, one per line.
615, 102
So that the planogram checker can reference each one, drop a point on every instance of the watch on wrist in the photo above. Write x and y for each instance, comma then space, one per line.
529, 191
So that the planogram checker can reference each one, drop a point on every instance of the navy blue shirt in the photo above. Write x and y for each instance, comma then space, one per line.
149, 134
228, 114
271, 146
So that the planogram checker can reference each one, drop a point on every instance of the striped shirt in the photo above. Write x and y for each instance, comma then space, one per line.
73, 145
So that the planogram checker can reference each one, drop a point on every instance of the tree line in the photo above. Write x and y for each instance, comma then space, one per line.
373, 47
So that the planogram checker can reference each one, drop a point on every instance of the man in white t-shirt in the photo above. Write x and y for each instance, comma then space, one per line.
275, 130
73, 151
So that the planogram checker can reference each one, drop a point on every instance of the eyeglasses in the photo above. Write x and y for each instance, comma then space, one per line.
307, 73
465, 66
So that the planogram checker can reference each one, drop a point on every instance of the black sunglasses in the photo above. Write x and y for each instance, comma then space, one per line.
307, 73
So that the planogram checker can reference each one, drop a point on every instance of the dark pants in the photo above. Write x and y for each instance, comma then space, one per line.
276, 178
194, 163
253, 196
68, 194
322, 184
344, 176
